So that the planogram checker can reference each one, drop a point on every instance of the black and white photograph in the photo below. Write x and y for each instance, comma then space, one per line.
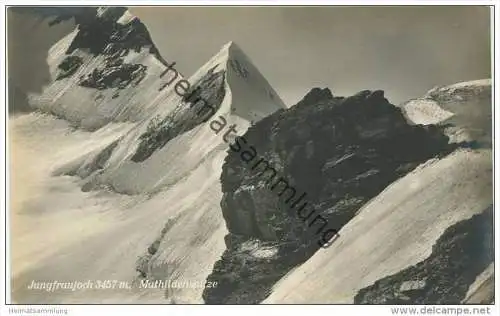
250, 154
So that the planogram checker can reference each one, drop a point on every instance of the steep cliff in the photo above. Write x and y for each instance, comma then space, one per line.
339, 152
427, 237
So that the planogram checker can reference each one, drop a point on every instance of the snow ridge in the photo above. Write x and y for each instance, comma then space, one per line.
248, 98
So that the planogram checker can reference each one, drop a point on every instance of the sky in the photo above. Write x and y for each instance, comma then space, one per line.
404, 51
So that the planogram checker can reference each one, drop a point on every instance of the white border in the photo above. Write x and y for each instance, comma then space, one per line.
3, 157
362, 310
251, 310
243, 2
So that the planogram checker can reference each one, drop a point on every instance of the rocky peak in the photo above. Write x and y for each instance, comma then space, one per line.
316, 95
111, 32
100, 31
340, 152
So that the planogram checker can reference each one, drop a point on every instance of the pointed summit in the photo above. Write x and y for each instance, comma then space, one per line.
229, 45
252, 97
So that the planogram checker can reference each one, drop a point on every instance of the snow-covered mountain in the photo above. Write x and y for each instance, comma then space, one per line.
116, 175
149, 142
105, 70
180, 132
464, 107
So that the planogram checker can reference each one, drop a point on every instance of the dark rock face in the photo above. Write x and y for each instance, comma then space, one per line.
458, 257
340, 152
200, 103
100, 34
316, 95
114, 74
69, 66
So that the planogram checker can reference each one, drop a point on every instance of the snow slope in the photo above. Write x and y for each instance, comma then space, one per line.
170, 200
